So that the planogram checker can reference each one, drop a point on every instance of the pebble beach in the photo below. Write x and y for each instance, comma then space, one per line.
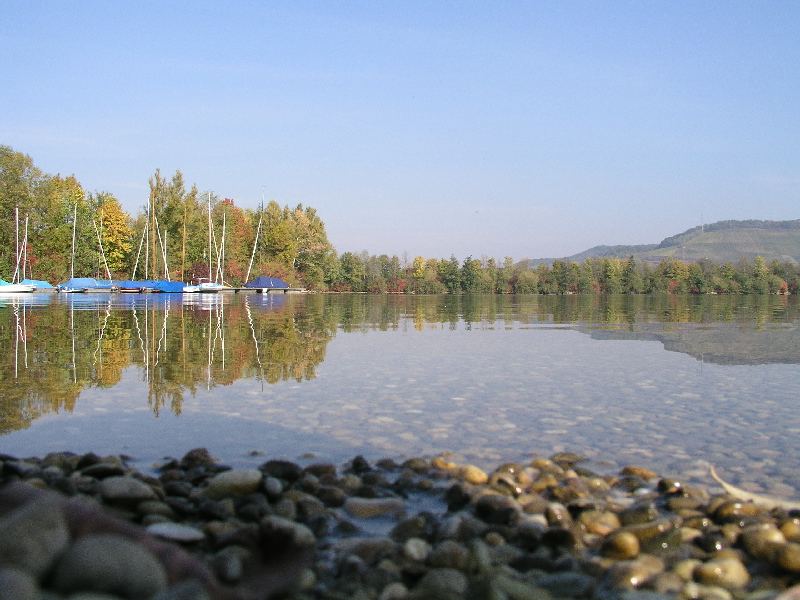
89, 527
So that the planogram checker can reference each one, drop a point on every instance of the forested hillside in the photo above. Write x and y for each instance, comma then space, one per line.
724, 241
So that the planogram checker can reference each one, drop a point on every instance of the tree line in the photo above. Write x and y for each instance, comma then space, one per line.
381, 274
169, 237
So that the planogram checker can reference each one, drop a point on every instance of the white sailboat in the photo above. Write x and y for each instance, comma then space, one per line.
15, 287
217, 285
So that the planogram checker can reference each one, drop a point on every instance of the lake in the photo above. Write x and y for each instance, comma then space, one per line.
671, 383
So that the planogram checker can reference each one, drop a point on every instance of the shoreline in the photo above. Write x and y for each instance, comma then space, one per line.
425, 528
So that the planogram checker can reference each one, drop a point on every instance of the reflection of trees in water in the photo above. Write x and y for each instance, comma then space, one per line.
177, 347
51, 353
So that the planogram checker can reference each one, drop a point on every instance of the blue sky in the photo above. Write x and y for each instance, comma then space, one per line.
525, 129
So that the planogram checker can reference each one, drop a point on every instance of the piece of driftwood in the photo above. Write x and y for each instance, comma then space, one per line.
768, 502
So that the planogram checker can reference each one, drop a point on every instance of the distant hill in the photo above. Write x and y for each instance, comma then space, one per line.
724, 241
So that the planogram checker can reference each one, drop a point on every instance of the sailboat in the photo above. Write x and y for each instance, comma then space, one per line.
16, 287
212, 287
77, 285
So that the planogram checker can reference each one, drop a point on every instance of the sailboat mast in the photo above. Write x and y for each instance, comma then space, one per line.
147, 245
16, 255
25, 248
183, 244
210, 261
74, 224
255, 243
153, 224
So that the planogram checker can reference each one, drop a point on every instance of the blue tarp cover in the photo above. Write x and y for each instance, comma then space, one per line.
267, 282
136, 284
38, 283
81, 283
169, 287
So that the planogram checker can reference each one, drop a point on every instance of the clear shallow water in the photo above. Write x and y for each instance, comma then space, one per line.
665, 382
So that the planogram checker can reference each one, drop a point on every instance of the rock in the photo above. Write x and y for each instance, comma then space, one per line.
125, 490
599, 522
496, 509
474, 475
394, 591
198, 457
416, 549
32, 536
620, 545
788, 557
93, 596
638, 514
735, 511
441, 584
762, 540
370, 508
297, 534
17, 585
237, 482
449, 554
633, 573
638, 471
282, 469
568, 584
176, 532
728, 573
368, 549
102, 470
185, 590
112, 564
273, 487
155, 507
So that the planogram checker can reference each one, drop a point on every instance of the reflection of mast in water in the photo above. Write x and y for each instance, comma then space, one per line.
100, 335
142, 343
72, 332
219, 333
255, 340
163, 337
20, 331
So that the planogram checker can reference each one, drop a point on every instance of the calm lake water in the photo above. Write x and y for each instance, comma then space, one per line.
666, 382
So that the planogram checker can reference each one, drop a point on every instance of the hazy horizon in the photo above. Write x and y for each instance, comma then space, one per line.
524, 130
